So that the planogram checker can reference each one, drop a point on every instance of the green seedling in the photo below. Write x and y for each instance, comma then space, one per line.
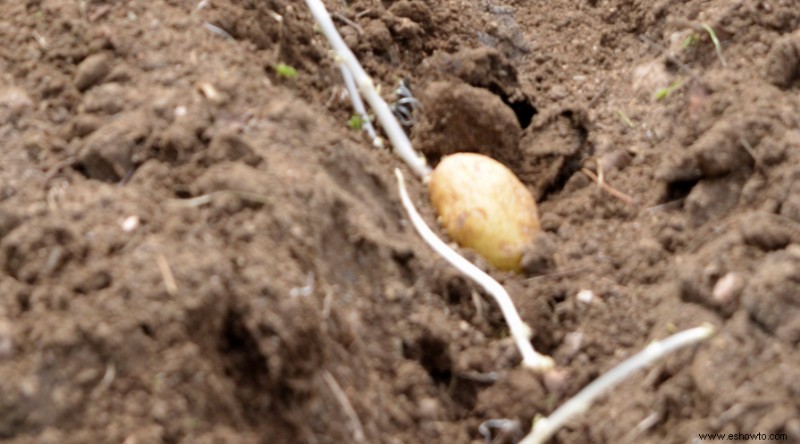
355, 123
689, 41
663, 93
359, 108
717, 46
285, 71
626, 120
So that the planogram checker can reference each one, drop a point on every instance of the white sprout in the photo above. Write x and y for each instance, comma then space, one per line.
358, 106
507, 425
305, 290
402, 146
544, 428
217, 30
519, 330
341, 396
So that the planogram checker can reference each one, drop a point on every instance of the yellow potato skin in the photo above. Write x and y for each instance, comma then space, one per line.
483, 206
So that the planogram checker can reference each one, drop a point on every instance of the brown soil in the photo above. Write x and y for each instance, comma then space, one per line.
196, 249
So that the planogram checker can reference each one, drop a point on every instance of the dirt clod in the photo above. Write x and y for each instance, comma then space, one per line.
771, 296
483, 123
769, 232
783, 61
92, 70
110, 153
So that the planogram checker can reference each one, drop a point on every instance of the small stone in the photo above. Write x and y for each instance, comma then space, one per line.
728, 289
429, 408
180, 111
586, 296
130, 223
92, 70
573, 342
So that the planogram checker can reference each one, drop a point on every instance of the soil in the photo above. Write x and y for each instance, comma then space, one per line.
195, 248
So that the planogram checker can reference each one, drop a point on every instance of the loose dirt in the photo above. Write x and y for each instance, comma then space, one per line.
194, 248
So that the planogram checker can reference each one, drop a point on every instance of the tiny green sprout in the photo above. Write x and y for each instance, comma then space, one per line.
689, 41
285, 71
356, 122
625, 119
671, 328
551, 402
717, 46
663, 93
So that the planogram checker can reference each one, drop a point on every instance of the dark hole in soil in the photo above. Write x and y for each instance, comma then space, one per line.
433, 355
761, 324
168, 154
573, 162
403, 259
95, 167
183, 193
678, 190
523, 109
243, 361
572, 165
457, 290
24, 301
556, 299
577, 123
147, 329
661, 377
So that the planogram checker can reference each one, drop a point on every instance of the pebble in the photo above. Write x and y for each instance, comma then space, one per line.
92, 70
728, 288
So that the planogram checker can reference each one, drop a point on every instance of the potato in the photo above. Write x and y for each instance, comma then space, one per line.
483, 206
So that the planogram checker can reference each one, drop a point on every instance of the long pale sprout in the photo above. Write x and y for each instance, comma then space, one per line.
400, 142
544, 428
519, 330
358, 106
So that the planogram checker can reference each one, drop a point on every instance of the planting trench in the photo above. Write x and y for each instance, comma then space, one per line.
190, 242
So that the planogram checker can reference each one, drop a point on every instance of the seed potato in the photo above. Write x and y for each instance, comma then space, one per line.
483, 206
